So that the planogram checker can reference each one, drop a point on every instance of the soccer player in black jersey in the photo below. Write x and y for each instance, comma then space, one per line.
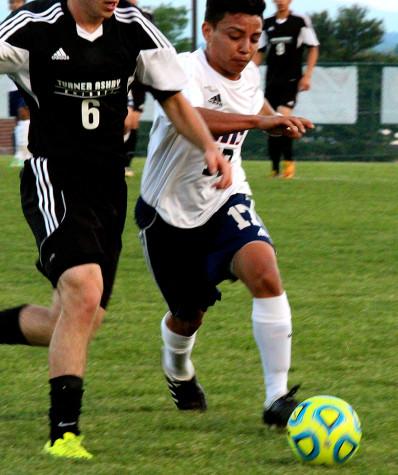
285, 36
74, 60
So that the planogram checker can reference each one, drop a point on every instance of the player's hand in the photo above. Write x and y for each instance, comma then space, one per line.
304, 84
291, 126
217, 164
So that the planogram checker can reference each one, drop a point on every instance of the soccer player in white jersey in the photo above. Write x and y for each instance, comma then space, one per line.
195, 237
74, 60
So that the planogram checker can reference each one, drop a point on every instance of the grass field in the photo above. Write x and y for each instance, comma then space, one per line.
336, 231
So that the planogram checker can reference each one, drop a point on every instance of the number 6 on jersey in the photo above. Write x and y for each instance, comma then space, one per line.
90, 114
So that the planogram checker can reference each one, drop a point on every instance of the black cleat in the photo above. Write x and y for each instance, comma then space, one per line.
279, 412
187, 395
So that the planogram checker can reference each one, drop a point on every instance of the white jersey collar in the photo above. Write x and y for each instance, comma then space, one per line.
89, 36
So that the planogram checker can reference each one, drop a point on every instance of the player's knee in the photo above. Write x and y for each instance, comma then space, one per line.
81, 289
266, 283
187, 322
90, 301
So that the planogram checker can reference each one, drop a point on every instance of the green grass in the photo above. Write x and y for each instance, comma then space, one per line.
335, 228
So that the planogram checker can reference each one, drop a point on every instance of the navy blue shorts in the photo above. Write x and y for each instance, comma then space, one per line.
187, 264
16, 101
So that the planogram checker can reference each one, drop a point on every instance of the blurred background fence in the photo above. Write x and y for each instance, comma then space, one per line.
367, 106
354, 106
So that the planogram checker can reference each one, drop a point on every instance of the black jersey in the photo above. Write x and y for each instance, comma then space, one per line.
285, 41
76, 82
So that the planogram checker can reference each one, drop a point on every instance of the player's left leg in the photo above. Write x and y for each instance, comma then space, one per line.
256, 266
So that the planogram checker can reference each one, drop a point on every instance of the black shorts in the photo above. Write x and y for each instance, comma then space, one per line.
74, 222
187, 264
282, 93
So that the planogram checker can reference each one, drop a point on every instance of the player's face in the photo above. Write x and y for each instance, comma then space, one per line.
231, 44
96, 9
282, 5
14, 4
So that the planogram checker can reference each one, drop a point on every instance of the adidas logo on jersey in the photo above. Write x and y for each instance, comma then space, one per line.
60, 55
216, 100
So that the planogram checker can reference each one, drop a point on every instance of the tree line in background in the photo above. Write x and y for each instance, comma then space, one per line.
349, 37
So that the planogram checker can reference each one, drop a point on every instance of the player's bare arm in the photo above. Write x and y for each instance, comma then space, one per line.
312, 58
188, 122
221, 123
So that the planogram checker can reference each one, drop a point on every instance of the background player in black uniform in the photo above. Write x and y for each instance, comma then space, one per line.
74, 60
19, 110
136, 100
285, 36
135, 107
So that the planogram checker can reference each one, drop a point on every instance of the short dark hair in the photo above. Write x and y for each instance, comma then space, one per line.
216, 9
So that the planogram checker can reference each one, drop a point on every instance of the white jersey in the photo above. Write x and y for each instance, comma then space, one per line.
173, 180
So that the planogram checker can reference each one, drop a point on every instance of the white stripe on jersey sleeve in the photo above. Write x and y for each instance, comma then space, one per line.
307, 34
22, 18
307, 37
160, 69
131, 15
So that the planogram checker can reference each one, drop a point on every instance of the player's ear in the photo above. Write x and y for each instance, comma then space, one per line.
207, 31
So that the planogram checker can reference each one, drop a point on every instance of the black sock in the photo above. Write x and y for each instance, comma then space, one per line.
66, 401
275, 152
10, 330
287, 148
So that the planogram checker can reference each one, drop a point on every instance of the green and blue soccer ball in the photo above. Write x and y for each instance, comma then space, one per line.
324, 430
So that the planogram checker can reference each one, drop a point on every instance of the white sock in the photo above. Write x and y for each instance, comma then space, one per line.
177, 351
21, 139
272, 328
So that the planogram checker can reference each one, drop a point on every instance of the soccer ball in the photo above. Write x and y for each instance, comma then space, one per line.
324, 430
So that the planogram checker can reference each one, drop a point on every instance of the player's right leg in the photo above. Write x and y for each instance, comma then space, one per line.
175, 259
178, 338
